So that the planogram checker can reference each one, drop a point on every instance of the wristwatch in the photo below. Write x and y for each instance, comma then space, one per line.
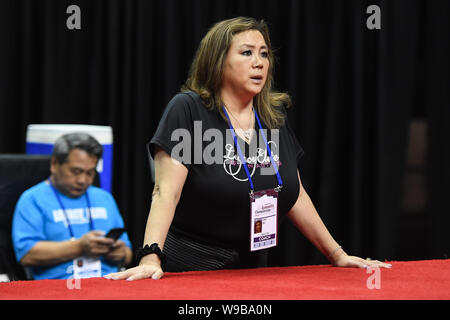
153, 248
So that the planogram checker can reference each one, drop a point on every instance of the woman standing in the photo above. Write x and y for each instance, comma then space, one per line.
226, 158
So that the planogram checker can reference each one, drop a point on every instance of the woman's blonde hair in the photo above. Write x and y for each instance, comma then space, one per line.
206, 72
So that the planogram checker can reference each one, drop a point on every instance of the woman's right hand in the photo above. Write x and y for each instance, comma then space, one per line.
170, 176
149, 267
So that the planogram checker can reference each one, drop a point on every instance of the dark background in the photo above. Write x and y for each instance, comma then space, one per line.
371, 107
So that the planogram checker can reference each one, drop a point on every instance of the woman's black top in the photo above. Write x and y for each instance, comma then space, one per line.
211, 225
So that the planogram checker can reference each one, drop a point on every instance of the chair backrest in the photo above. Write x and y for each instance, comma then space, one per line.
18, 172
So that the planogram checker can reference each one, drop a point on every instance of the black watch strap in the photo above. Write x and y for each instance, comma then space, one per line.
148, 249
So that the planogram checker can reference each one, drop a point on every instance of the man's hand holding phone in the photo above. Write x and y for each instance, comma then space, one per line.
118, 252
94, 244
115, 233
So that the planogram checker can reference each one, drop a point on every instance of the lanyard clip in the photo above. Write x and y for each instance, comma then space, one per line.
252, 196
278, 189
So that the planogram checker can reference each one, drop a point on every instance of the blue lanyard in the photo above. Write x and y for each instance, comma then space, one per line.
280, 182
91, 223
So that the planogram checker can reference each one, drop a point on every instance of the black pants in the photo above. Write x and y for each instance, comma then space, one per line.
184, 254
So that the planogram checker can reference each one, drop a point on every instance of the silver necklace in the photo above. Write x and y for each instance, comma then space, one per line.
246, 133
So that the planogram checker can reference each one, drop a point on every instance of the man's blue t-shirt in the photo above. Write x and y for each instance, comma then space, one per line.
39, 217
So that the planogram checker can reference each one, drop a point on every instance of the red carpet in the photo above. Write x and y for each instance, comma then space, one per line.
421, 280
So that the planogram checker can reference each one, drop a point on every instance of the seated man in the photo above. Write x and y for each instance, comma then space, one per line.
59, 224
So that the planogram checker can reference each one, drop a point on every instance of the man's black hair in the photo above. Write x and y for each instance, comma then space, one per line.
76, 140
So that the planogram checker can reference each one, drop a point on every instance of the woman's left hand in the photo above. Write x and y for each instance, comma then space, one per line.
344, 260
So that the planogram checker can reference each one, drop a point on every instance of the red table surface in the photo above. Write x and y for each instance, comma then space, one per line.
407, 280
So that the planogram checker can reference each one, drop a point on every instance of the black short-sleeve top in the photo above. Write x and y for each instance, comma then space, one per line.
214, 207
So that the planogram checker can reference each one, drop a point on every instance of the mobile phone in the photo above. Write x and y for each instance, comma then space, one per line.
115, 233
